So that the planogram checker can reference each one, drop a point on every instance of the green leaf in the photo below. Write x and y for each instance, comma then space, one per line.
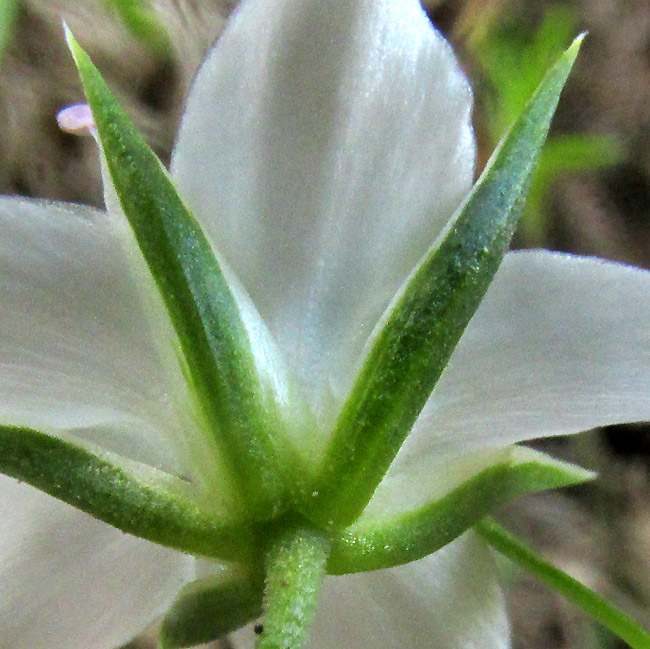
133, 497
593, 604
216, 336
429, 316
211, 608
373, 543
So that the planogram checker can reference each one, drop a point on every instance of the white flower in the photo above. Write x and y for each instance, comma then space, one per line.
322, 150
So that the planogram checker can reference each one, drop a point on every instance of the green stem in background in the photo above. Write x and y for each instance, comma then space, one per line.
590, 602
295, 569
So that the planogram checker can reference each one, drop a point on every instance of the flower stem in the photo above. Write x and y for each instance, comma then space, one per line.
593, 604
295, 568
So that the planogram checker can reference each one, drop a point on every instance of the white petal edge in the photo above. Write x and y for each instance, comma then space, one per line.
79, 355
449, 600
323, 150
69, 581
561, 344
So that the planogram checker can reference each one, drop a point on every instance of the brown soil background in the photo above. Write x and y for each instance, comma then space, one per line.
600, 533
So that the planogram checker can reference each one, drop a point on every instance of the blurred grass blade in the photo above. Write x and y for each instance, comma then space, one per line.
580, 152
563, 154
217, 332
139, 17
428, 318
8, 15
590, 602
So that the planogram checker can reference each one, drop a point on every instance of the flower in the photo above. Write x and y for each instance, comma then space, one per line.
322, 151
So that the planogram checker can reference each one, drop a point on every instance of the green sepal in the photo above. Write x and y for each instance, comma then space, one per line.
210, 608
237, 395
373, 543
590, 602
130, 496
429, 315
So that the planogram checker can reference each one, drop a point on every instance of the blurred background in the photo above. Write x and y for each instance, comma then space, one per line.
591, 196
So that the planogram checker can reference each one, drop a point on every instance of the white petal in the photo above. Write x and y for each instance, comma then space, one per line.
561, 344
76, 351
68, 581
323, 149
449, 600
